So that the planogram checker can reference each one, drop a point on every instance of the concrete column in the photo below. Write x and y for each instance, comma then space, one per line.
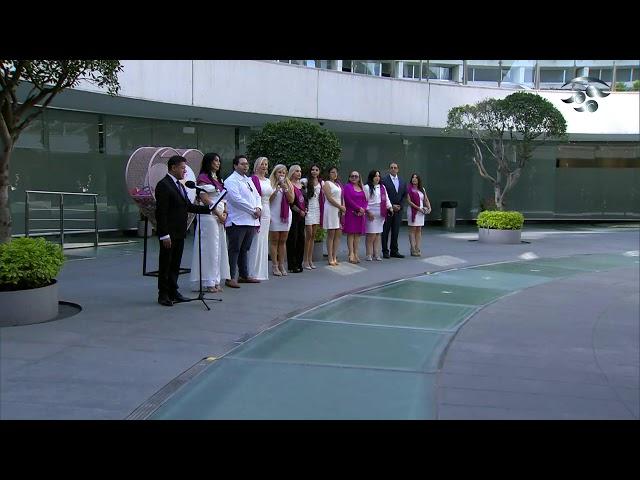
398, 68
336, 65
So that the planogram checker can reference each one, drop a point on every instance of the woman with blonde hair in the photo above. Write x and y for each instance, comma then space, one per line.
295, 240
258, 257
354, 219
279, 202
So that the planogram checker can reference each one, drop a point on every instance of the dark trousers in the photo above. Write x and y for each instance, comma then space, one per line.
239, 239
392, 224
169, 268
295, 243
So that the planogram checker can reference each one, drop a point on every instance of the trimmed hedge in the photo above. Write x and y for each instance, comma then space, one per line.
27, 263
500, 220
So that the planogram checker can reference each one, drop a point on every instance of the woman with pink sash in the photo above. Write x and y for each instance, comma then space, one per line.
379, 206
279, 202
313, 219
356, 203
258, 256
295, 240
215, 257
332, 212
419, 206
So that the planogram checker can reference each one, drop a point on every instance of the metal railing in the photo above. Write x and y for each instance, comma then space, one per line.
62, 219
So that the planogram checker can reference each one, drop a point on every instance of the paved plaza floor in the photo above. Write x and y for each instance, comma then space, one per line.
546, 329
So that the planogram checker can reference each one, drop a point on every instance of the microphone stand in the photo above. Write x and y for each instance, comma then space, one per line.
201, 296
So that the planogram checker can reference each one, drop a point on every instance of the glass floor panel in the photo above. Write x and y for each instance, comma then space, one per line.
590, 262
309, 342
241, 389
529, 268
438, 292
484, 279
392, 312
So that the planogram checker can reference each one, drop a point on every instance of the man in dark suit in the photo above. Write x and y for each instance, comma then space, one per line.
172, 205
397, 191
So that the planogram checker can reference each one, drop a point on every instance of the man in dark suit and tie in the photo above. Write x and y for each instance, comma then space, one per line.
397, 190
172, 205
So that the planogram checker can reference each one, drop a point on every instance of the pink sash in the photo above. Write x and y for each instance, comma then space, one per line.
321, 202
284, 208
383, 201
299, 198
415, 198
256, 182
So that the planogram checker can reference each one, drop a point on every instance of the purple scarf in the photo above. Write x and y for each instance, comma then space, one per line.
256, 182
321, 202
415, 198
383, 201
299, 198
204, 178
284, 208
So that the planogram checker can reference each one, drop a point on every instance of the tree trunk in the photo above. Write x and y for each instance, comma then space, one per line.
5, 211
497, 192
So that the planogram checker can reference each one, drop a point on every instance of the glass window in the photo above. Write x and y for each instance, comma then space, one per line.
555, 75
483, 74
73, 132
346, 65
367, 68
604, 74
33, 135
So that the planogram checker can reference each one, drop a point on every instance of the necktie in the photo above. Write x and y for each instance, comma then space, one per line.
182, 190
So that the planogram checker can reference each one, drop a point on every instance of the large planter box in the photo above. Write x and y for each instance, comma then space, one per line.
24, 307
492, 235
318, 251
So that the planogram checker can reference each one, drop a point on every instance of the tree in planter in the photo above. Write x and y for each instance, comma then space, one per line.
506, 129
296, 142
47, 78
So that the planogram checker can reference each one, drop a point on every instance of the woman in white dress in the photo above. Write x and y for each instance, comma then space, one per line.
279, 201
377, 210
313, 186
215, 258
419, 206
333, 209
258, 257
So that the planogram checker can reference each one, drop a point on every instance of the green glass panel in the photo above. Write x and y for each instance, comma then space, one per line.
337, 344
529, 268
388, 311
590, 262
236, 389
438, 292
483, 279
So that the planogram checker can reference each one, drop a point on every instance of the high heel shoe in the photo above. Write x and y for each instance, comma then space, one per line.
307, 266
276, 271
313, 267
283, 270
369, 258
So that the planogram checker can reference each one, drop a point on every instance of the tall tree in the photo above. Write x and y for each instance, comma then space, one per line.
506, 129
46, 79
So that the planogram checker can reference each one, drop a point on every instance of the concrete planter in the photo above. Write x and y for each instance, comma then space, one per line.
318, 251
492, 235
24, 307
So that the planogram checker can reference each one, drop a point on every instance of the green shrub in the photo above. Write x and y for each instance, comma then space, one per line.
636, 86
296, 142
500, 220
621, 87
29, 263
321, 234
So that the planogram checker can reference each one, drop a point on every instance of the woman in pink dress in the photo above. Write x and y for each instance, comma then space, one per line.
356, 203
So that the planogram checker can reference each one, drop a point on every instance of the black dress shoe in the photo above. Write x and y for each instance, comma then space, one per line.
385, 255
165, 302
179, 298
397, 255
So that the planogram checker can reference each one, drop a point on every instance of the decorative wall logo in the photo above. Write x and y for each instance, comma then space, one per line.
586, 87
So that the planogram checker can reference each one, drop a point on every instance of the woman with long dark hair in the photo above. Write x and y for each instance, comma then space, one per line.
313, 219
333, 210
215, 258
418, 207
379, 206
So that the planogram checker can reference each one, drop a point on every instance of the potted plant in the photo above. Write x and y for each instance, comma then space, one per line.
495, 226
28, 289
318, 245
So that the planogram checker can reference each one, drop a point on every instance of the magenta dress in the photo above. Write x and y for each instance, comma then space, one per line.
352, 201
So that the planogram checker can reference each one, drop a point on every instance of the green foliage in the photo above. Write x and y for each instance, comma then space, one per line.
621, 87
298, 142
636, 86
500, 220
321, 234
29, 263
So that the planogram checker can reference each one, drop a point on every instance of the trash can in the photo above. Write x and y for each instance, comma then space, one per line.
449, 214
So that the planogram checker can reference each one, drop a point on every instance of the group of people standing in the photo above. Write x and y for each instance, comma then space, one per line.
245, 219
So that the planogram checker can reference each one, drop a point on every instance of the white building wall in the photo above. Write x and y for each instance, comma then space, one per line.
288, 90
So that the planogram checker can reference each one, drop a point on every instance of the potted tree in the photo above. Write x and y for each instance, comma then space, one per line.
28, 289
495, 226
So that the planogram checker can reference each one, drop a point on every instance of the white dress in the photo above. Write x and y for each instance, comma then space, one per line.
331, 219
215, 257
258, 257
313, 207
375, 225
419, 222
276, 224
